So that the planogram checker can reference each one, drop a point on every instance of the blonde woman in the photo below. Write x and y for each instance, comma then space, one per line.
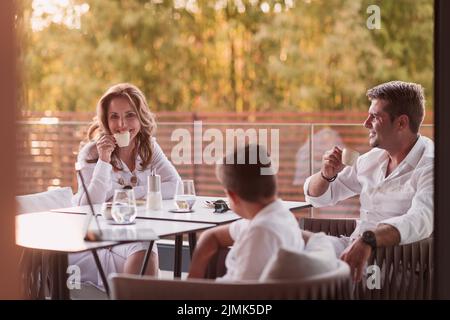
107, 167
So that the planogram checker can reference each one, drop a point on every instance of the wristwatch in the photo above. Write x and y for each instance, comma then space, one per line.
369, 238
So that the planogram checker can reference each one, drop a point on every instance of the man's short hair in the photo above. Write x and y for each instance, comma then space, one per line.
241, 172
403, 98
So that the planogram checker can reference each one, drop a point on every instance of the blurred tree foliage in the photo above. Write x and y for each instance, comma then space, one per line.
233, 55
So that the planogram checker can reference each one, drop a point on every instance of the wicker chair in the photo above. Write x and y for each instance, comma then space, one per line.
406, 270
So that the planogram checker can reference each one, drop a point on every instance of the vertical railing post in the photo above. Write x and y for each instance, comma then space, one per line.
194, 165
311, 157
311, 149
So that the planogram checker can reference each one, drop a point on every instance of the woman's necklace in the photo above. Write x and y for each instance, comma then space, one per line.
133, 181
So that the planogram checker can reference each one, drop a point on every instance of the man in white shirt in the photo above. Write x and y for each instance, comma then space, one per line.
394, 179
266, 225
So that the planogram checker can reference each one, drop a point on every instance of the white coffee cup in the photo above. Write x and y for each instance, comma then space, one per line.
122, 139
349, 156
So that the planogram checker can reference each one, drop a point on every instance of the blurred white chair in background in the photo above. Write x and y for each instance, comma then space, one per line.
43, 201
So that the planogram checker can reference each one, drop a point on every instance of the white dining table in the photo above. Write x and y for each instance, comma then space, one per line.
201, 213
60, 234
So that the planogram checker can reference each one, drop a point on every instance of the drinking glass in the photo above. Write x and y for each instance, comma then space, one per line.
185, 195
124, 209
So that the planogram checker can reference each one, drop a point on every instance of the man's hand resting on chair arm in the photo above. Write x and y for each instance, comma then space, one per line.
358, 253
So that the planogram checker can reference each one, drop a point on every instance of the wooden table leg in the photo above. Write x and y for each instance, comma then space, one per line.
178, 256
192, 242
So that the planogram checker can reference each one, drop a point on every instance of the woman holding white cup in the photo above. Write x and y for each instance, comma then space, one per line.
123, 152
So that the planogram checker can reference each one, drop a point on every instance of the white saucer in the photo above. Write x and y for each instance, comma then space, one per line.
121, 224
180, 211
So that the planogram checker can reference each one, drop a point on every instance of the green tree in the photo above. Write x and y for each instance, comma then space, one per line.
241, 55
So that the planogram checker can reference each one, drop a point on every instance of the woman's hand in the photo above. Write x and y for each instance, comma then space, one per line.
105, 146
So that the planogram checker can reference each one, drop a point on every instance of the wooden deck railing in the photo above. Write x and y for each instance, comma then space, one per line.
48, 144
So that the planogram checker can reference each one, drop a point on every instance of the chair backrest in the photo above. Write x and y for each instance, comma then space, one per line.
332, 227
331, 285
48, 200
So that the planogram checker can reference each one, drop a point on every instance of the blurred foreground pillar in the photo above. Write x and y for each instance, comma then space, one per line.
9, 253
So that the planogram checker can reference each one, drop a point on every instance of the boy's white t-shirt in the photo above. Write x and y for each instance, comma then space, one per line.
257, 240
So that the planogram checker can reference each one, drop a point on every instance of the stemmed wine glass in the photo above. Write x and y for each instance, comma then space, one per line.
185, 195
124, 209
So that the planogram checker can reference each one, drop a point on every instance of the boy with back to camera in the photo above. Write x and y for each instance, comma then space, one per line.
267, 225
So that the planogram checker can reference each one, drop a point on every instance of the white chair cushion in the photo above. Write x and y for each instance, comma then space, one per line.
318, 257
52, 199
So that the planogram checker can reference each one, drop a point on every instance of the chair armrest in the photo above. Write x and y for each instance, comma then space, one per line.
332, 227
406, 272
216, 267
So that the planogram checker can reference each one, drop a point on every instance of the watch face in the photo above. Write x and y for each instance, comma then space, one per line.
369, 238
367, 235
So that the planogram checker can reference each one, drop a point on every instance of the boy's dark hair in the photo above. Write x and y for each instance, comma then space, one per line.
245, 172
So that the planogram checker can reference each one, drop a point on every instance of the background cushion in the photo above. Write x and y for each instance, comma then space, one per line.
43, 201
290, 264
